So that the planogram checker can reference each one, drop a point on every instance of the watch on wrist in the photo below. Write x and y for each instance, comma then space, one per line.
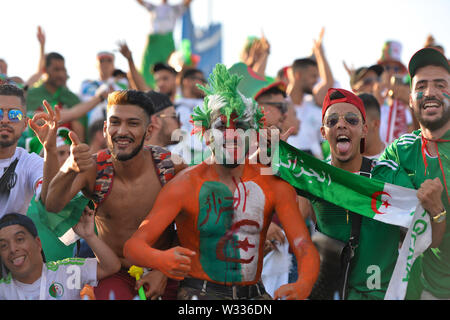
440, 217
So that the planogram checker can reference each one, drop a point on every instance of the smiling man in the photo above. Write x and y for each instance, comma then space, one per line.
222, 208
138, 172
424, 154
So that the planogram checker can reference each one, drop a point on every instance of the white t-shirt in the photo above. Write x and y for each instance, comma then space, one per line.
60, 280
163, 17
28, 182
309, 136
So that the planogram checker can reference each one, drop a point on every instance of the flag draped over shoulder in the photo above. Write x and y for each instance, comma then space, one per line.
371, 198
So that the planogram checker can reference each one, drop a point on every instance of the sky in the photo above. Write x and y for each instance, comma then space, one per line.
355, 30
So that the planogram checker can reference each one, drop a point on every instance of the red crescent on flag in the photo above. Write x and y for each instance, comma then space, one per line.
374, 201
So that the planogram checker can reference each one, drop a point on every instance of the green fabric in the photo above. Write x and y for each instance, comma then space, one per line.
415, 286
50, 226
158, 49
406, 151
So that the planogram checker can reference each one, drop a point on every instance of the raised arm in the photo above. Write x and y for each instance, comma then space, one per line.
80, 109
308, 259
108, 262
175, 262
77, 173
45, 126
136, 78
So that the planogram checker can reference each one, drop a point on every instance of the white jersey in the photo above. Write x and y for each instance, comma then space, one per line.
27, 182
60, 280
308, 136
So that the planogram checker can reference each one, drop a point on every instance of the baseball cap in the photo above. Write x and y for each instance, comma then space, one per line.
349, 97
102, 54
425, 57
359, 73
279, 84
12, 219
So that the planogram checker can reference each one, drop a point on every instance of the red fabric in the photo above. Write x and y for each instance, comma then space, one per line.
120, 283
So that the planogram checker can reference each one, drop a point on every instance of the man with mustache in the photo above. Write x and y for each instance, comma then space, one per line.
222, 208
123, 182
424, 154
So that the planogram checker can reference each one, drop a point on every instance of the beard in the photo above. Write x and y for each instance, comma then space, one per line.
125, 157
4, 143
433, 124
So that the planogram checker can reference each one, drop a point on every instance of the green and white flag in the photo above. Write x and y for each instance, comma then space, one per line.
371, 198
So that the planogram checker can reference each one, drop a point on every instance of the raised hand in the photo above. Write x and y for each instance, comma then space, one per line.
85, 227
124, 50
45, 125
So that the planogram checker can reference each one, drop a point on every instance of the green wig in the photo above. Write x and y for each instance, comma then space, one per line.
223, 98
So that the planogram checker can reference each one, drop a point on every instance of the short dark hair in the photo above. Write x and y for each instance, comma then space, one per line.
303, 64
163, 66
370, 103
52, 56
160, 100
191, 72
12, 90
94, 127
134, 97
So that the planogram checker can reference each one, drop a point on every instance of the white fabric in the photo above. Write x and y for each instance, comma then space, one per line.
309, 136
276, 266
384, 121
67, 276
163, 17
29, 172
88, 90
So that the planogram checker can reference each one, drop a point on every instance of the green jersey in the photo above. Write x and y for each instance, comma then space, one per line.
377, 253
407, 152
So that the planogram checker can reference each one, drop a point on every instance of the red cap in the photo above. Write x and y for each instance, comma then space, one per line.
349, 97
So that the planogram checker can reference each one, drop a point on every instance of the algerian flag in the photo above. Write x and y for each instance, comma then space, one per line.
61, 223
371, 198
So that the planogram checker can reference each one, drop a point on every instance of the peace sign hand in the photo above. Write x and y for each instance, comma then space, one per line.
45, 126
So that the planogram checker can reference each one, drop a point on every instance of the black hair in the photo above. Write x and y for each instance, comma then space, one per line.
191, 72
134, 97
52, 56
161, 101
303, 64
163, 66
95, 127
12, 90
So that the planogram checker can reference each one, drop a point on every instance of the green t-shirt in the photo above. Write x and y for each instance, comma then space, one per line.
376, 255
407, 152
62, 97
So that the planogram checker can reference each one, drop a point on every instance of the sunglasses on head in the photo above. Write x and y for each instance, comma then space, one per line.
283, 106
350, 117
14, 115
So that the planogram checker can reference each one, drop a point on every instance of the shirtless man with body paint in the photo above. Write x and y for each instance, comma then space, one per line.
222, 209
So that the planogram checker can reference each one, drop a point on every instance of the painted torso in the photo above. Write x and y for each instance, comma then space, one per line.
227, 229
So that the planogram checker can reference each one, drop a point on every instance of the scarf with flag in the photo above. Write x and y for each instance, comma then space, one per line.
371, 198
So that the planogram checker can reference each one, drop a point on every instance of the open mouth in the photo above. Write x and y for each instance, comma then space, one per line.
343, 143
18, 261
123, 142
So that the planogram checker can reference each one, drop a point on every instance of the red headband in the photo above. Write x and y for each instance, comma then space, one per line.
349, 97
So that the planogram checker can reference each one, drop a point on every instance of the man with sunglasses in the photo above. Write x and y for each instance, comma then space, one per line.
164, 121
344, 126
21, 173
272, 99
